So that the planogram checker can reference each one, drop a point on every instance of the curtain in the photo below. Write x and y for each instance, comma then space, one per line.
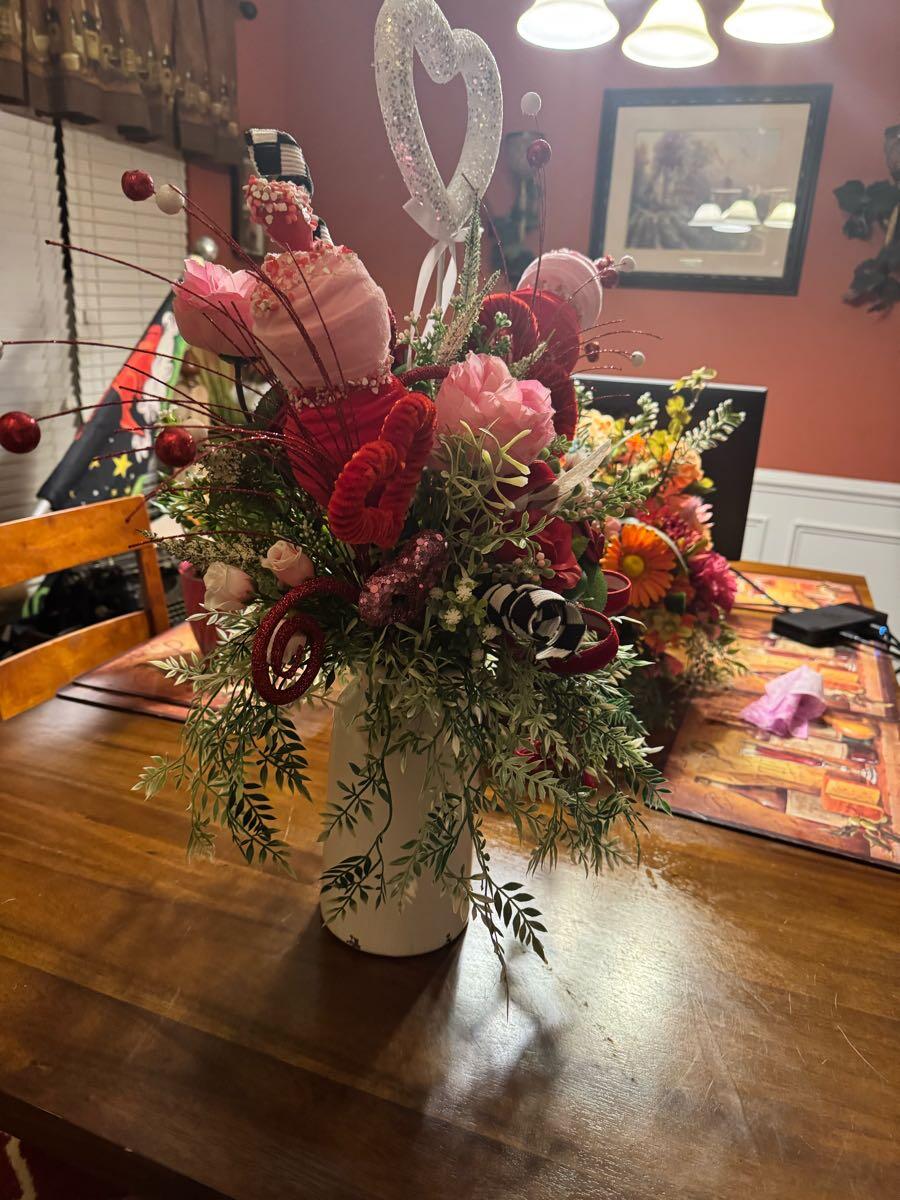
152, 69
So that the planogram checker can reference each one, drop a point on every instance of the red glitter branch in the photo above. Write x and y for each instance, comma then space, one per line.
275, 632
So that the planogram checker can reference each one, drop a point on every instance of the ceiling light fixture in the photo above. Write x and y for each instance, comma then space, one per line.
739, 217
567, 24
672, 34
779, 22
782, 215
706, 216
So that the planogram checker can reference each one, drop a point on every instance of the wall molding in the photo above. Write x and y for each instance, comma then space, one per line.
828, 487
828, 522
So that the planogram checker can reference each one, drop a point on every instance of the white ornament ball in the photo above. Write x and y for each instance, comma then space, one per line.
638, 357
626, 263
531, 104
169, 200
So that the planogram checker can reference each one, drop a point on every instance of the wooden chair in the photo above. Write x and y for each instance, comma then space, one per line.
39, 545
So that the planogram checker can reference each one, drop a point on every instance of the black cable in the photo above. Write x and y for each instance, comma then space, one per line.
787, 608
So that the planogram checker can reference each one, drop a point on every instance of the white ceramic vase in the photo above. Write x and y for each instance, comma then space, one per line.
426, 920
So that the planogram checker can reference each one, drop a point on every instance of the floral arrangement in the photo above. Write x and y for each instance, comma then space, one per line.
430, 513
681, 589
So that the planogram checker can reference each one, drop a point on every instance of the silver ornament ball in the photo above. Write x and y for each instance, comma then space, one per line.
207, 247
626, 264
638, 357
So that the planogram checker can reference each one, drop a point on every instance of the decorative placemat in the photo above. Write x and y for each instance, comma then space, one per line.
837, 790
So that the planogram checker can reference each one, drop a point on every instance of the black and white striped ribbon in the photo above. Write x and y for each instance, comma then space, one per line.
530, 612
322, 234
275, 155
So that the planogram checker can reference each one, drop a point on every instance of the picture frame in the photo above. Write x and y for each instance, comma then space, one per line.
709, 188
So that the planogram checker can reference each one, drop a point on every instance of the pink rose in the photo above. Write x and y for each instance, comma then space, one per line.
212, 308
481, 392
288, 564
228, 589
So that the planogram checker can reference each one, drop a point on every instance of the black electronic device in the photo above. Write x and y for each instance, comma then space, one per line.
827, 626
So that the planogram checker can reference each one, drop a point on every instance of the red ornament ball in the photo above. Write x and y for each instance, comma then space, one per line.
19, 432
609, 277
175, 447
137, 185
538, 153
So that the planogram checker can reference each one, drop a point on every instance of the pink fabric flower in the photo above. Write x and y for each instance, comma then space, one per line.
481, 392
212, 308
288, 564
714, 582
228, 589
693, 511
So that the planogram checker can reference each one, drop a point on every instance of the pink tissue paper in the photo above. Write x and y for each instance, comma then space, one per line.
790, 702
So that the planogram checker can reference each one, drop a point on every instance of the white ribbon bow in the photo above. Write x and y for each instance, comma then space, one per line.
440, 261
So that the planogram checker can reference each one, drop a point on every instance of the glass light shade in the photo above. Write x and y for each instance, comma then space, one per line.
742, 212
706, 216
782, 215
672, 34
567, 24
779, 22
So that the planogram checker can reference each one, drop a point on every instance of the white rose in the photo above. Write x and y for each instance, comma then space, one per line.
228, 589
288, 564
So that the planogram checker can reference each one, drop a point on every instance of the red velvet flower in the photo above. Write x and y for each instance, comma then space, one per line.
321, 439
555, 543
374, 489
591, 530
522, 333
558, 325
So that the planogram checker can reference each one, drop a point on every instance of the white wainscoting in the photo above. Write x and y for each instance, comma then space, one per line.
831, 523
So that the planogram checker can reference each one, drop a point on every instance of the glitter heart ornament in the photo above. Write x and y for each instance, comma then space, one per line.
408, 27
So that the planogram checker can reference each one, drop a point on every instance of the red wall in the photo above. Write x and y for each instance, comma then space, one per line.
832, 371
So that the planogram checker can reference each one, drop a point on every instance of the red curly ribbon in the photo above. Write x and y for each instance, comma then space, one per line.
618, 593
393, 463
597, 656
275, 632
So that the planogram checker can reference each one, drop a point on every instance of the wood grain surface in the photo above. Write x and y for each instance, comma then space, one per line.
718, 1021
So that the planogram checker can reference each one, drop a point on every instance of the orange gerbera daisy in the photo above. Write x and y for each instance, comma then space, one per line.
644, 557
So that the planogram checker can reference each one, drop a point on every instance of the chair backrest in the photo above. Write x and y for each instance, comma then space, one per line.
730, 465
36, 546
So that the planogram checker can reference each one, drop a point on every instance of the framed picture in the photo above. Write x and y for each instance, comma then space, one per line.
710, 189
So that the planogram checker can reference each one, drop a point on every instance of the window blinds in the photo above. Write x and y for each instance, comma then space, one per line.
114, 303
32, 305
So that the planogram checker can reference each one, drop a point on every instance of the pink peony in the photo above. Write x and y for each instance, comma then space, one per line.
212, 308
715, 584
482, 393
288, 564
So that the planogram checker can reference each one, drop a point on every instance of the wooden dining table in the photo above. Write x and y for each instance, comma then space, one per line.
718, 1019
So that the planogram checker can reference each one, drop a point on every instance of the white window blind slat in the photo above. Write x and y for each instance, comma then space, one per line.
32, 305
114, 303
